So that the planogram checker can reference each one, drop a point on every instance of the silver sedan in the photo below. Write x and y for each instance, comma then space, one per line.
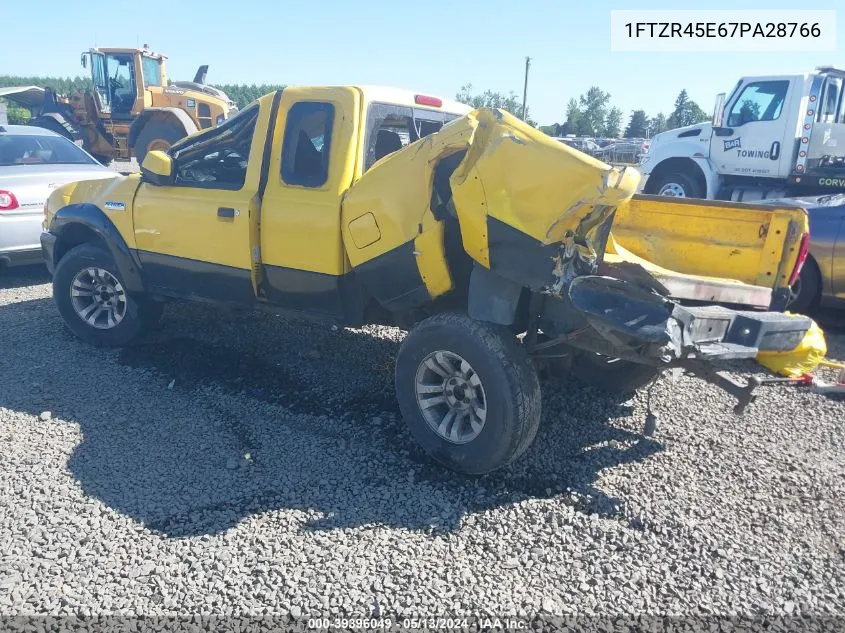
33, 162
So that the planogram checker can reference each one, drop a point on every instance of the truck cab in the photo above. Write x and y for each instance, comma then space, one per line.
772, 136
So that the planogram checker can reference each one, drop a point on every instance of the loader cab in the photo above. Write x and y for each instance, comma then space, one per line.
122, 78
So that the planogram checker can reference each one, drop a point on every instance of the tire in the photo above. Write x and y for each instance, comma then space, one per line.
676, 184
104, 160
501, 380
137, 315
612, 376
158, 133
806, 293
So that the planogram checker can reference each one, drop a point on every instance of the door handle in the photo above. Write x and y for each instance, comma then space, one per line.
226, 212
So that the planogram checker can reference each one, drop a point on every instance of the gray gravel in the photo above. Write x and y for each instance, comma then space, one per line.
244, 463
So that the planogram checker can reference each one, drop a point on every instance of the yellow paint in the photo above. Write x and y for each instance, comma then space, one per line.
364, 230
157, 162
431, 260
743, 242
301, 226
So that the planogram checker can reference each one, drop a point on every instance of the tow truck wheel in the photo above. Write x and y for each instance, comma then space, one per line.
675, 185
93, 300
468, 392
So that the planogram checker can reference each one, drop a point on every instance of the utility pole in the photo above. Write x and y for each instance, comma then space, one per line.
525, 88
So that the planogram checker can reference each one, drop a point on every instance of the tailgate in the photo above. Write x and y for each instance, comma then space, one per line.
709, 250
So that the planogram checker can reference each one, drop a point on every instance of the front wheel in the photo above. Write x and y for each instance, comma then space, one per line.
468, 392
157, 135
93, 301
675, 185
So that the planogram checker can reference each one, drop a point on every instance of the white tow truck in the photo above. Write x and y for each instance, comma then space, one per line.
774, 136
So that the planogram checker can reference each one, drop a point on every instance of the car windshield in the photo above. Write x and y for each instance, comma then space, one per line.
34, 149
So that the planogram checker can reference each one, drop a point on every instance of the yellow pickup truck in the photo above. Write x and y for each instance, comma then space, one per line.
500, 249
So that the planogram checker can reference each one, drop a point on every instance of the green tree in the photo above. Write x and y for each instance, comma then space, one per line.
490, 99
594, 111
551, 130
637, 125
657, 125
573, 117
686, 112
613, 125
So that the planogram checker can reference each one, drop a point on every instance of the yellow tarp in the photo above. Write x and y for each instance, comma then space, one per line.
804, 359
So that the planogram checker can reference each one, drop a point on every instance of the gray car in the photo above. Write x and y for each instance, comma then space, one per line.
33, 162
822, 279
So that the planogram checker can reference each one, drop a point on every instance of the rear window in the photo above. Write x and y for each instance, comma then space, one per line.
30, 149
391, 127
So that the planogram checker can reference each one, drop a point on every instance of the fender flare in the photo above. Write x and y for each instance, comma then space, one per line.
188, 124
70, 218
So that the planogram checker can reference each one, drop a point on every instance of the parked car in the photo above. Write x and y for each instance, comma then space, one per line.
822, 279
33, 162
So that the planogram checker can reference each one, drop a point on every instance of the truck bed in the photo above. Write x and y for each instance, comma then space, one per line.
706, 250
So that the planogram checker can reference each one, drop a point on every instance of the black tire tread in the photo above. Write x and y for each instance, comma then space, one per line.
524, 383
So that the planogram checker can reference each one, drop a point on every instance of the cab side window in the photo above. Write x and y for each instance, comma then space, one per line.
217, 159
307, 144
759, 101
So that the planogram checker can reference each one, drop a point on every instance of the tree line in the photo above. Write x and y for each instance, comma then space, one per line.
592, 114
241, 94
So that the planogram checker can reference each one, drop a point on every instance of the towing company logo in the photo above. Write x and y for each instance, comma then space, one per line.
734, 143
773, 153
111, 205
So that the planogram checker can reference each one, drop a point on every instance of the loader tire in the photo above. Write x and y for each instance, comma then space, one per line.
157, 135
468, 392
611, 375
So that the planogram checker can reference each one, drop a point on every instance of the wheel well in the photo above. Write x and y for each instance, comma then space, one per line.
73, 235
670, 165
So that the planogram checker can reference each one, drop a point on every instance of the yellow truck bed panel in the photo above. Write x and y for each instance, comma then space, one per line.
730, 243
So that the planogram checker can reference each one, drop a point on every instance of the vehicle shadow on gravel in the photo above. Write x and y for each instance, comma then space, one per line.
213, 425
23, 276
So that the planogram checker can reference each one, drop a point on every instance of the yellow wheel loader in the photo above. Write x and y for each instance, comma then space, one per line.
131, 108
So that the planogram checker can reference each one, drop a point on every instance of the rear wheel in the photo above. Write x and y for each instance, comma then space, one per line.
93, 301
468, 392
157, 135
805, 293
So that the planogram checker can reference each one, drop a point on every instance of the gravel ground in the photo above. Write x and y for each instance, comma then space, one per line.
234, 463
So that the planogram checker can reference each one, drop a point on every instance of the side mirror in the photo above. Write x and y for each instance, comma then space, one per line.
157, 168
83, 59
719, 111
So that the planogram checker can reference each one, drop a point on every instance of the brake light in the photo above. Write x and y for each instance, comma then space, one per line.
429, 101
803, 251
8, 202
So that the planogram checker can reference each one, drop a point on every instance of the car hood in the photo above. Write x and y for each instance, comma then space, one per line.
33, 184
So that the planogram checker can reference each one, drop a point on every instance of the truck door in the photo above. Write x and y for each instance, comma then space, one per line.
193, 236
312, 164
753, 138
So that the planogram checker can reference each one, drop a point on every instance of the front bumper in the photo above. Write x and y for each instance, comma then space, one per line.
48, 248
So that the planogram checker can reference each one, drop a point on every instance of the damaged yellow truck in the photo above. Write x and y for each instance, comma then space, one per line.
501, 250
